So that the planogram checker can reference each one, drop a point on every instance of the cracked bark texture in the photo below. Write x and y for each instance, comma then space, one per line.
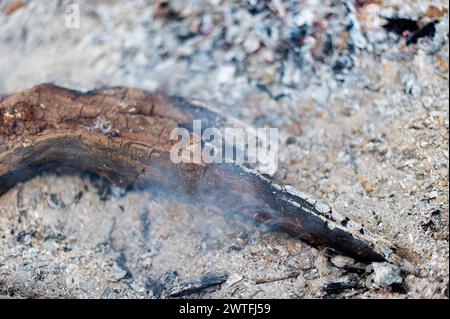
123, 134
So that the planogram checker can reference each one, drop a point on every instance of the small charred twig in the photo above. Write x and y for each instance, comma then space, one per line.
210, 280
274, 279
124, 135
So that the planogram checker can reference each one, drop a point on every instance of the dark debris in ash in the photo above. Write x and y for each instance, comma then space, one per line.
154, 287
24, 237
338, 285
121, 271
429, 30
105, 189
77, 198
55, 201
401, 25
207, 282
410, 29
145, 223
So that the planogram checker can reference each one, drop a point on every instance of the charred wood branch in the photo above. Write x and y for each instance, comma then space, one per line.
123, 134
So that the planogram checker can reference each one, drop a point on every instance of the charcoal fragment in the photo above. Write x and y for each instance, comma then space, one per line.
401, 25
429, 30
410, 29
121, 271
154, 286
24, 237
336, 286
342, 64
169, 279
197, 285
255, 6
78, 197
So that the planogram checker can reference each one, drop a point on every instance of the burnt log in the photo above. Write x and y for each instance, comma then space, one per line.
123, 134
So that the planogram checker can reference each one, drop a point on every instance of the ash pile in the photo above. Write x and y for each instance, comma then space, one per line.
358, 90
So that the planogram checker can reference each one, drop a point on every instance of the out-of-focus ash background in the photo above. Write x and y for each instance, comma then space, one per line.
362, 111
